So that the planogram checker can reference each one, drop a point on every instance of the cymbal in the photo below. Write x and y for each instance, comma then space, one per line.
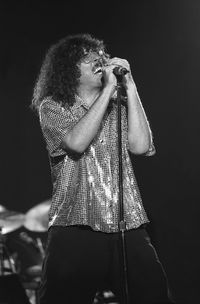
36, 219
11, 220
2, 209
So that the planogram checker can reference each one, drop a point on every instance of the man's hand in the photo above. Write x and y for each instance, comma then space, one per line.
127, 78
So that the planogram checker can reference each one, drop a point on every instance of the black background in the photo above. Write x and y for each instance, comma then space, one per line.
161, 40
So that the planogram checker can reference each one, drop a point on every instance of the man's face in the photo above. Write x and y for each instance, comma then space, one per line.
91, 68
97, 59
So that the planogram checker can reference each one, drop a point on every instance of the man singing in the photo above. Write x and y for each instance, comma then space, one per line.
75, 97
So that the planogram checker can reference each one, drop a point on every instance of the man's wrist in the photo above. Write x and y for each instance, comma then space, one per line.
109, 90
131, 91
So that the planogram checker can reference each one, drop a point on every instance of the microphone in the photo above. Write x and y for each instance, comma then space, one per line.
120, 71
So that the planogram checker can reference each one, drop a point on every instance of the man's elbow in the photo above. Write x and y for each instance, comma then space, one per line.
137, 150
141, 148
72, 145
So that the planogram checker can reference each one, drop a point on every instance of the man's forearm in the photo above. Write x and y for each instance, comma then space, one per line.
81, 135
139, 133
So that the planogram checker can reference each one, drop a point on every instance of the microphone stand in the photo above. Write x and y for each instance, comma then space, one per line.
122, 223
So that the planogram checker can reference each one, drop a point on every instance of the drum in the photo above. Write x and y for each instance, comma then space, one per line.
22, 242
27, 250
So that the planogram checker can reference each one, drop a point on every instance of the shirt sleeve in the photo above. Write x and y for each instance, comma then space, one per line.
55, 122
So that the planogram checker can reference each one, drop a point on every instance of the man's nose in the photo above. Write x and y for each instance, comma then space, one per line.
99, 63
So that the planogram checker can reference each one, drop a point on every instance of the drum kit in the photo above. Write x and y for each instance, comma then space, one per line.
22, 247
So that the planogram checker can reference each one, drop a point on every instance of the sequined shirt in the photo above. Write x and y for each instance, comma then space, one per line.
85, 187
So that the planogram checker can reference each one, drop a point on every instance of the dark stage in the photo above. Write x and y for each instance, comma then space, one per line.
161, 41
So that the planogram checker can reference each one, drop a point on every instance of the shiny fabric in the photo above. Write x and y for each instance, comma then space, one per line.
85, 187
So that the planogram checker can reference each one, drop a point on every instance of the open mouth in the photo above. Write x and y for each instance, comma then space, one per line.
97, 70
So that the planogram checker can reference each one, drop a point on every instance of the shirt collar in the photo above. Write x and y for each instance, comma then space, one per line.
78, 103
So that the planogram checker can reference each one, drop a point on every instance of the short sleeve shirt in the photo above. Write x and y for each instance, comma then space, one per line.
86, 186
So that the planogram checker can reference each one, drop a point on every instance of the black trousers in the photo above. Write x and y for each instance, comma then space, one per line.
79, 262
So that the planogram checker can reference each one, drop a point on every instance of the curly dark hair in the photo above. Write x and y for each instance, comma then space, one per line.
59, 74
